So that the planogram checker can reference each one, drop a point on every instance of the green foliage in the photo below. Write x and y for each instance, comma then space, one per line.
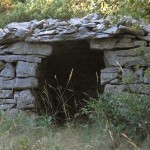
136, 8
5, 5
23, 144
147, 73
140, 51
26, 10
129, 78
22, 121
125, 112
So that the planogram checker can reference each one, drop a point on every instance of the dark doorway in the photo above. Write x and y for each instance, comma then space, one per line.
70, 76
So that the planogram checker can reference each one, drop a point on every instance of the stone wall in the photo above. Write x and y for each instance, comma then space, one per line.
125, 43
19, 73
127, 68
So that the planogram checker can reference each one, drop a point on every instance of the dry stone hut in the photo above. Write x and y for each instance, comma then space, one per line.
103, 55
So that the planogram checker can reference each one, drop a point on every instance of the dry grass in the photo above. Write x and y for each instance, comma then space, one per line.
22, 133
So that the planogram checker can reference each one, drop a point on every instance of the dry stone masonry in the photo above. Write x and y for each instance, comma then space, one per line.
124, 41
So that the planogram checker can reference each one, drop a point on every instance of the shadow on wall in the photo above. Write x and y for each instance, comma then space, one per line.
69, 77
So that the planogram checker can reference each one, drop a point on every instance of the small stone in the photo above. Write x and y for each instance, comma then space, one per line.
51, 32
7, 101
6, 94
85, 21
99, 28
8, 71
107, 77
103, 36
6, 106
140, 72
51, 22
91, 25
70, 31
100, 21
40, 24
33, 25
112, 30
25, 100
140, 88
76, 22
129, 30
83, 30
147, 28
115, 89
127, 72
111, 70
21, 33
146, 80
26, 69
115, 81
36, 31
16, 25
146, 38
61, 23
92, 16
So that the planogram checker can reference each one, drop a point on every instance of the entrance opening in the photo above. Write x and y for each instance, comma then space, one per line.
70, 76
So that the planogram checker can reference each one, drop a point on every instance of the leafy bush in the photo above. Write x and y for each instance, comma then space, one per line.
126, 112
5, 5
26, 10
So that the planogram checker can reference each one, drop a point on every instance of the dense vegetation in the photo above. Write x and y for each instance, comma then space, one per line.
116, 122
26, 10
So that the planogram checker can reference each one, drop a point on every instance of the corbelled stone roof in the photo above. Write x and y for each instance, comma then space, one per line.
88, 27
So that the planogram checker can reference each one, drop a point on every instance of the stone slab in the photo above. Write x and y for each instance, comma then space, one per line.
127, 58
14, 58
25, 99
107, 77
18, 83
114, 43
61, 38
26, 69
6, 94
140, 88
115, 89
7, 101
22, 48
6, 106
111, 70
130, 30
146, 38
113, 30
8, 71
146, 80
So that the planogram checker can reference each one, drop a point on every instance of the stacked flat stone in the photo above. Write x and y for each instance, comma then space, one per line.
19, 73
24, 45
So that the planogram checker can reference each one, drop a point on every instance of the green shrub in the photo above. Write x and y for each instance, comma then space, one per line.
126, 112
5, 5
26, 10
